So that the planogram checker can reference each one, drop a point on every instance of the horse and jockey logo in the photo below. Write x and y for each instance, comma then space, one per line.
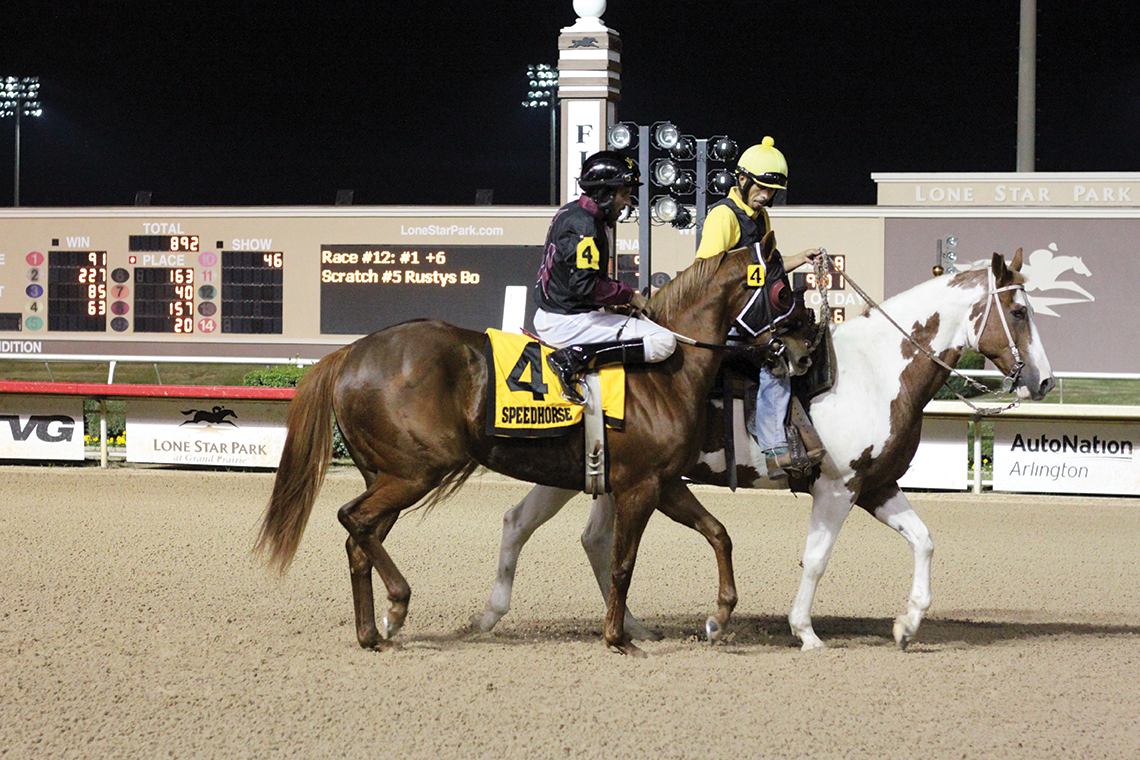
210, 418
584, 42
1043, 272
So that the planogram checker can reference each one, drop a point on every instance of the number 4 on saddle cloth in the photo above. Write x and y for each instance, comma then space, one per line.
524, 397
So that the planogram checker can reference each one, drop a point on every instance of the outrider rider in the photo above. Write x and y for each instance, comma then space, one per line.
574, 286
741, 219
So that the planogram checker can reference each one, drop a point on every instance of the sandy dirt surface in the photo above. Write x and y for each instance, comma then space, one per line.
136, 624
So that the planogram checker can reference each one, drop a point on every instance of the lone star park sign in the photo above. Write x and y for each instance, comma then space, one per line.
1008, 189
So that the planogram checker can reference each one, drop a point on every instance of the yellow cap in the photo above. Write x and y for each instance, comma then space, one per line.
765, 165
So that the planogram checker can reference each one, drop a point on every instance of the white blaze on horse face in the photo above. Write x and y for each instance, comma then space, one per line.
1036, 361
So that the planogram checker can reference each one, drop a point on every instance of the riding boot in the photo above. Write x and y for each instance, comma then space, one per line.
571, 362
774, 459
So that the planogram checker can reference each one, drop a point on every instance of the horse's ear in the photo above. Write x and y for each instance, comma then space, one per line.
768, 246
1015, 265
1001, 273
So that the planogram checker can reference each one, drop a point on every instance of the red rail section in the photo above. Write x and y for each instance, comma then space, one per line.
125, 390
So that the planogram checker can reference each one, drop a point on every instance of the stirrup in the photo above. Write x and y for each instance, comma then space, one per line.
564, 365
782, 461
776, 460
804, 452
571, 393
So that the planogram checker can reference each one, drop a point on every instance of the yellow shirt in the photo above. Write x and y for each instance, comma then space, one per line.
721, 231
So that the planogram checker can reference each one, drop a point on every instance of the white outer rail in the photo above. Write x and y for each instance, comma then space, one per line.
1028, 410
944, 409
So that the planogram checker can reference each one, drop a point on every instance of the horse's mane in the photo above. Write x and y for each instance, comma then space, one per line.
685, 287
970, 275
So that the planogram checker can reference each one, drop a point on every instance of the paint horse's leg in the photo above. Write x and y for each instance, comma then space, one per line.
894, 511
679, 503
831, 503
598, 542
519, 523
368, 519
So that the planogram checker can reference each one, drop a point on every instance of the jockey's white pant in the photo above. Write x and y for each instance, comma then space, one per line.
602, 327
772, 399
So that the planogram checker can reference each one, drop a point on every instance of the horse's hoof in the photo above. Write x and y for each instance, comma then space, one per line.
480, 623
628, 649
712, 630
813, 646
387, 629
902, 636
386, 646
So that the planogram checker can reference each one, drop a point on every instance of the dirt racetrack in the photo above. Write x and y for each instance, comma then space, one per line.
136, 624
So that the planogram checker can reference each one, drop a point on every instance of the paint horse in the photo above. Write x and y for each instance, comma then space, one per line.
870, 422
411, 402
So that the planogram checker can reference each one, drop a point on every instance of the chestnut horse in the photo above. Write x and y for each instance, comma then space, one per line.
410, 402
870, 422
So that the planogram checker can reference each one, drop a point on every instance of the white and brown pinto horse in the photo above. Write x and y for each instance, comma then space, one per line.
870, 422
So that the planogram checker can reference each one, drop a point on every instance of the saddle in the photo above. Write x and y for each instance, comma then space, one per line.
523, 401
737, 380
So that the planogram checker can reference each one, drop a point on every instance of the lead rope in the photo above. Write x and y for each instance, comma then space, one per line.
821, 265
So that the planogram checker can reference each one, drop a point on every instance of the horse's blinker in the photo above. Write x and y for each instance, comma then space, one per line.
769, 302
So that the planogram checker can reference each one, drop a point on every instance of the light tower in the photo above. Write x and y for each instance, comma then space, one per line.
19, 96
543, 93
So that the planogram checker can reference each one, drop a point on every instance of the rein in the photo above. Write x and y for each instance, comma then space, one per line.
697, 343
821, 264
685, 339
681, 338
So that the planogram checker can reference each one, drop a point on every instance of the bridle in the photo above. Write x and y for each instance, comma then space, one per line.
1011, 379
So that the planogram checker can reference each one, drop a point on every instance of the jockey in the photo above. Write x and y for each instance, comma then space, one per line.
574, 287
741, 219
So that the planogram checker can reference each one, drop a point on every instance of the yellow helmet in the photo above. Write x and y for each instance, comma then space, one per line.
765, 165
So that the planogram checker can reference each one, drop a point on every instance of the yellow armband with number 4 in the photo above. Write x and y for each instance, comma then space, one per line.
588, 255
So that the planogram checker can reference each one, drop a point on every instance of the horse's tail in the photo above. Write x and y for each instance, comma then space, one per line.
304, 462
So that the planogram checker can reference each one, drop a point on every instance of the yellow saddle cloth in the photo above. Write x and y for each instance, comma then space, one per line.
524, 395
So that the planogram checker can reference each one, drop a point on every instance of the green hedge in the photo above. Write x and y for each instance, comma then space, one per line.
284, 376
116, 419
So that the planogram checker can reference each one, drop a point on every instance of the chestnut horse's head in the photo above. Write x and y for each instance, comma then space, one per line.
796, 335
775, 315
725, 291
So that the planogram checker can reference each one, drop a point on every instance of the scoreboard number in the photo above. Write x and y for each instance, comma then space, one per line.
77, 291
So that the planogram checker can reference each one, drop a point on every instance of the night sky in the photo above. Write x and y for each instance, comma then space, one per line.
259, 103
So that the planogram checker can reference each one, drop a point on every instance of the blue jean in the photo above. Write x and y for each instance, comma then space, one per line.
772, 400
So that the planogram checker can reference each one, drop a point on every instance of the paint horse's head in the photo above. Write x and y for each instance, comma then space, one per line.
1001, 327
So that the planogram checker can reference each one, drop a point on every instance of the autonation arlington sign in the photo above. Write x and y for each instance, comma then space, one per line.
1032, 456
